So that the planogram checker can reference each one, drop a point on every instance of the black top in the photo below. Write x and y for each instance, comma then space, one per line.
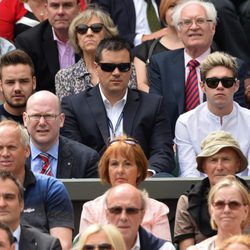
6, 115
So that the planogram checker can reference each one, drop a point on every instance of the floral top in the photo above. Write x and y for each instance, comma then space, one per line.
76, 79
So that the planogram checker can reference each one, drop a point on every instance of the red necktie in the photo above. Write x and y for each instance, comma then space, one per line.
46, 169
192, 98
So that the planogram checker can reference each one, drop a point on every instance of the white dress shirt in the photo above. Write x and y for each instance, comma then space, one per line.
193, 126
17, 234
141, 24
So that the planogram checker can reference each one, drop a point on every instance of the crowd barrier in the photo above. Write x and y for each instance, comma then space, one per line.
166, 190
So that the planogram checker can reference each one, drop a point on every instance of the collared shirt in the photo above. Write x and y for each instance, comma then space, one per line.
187, 58
202, 121
37, 163
17, 234
141, 25
65, 52
115, 114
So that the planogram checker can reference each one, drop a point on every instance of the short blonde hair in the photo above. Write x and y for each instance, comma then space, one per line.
243, 239
229, 181
128, 151
113, 234
110, 29
218, 59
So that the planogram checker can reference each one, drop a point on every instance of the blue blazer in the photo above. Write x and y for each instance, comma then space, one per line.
167, 78
144, 119
123, 15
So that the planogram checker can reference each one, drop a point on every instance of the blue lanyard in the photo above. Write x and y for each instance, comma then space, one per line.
116, 126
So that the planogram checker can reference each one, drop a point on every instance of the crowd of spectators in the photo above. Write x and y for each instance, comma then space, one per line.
124, 91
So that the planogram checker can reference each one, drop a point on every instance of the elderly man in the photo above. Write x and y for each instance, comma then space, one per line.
50, 153
125, 210
46, 202
175, 74
220, 156
220, 112
17, 83
11, 207
48, 42
111, 109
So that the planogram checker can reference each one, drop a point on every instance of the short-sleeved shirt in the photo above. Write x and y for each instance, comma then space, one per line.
46, 203
6, 115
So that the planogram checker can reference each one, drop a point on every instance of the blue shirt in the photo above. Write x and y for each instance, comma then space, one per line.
36, 162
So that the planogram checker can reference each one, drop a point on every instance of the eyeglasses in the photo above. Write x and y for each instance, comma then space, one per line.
129, 141
95, 27
200, 21
233, 205
128, 210
103, 246
110, 67
46, 117
227, 82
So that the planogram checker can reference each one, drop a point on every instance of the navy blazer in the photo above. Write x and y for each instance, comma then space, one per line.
75, 160
40, 45
144, 119
32, 239
167, 78
123, 15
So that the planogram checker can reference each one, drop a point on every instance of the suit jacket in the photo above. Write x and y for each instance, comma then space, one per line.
123, 15
39, 43
33, 239
167, 78
75, 160
144, 119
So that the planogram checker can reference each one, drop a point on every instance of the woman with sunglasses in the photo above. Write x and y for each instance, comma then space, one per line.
125, 162
169, 41
101, 237
229, 208
85, 33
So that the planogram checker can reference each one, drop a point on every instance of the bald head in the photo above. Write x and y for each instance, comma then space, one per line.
43, 119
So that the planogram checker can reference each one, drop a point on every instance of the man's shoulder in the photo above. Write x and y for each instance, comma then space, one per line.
31, 235
143, 96
35, 32
168, 55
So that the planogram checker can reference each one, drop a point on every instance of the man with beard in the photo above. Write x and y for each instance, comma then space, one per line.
17, 83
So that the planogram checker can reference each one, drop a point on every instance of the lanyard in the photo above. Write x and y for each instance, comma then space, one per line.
116, 126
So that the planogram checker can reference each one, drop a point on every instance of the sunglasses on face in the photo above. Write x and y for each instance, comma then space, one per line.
128, 210
83, 28
233, 205
227, 82
103, 246
110, 67
129, 141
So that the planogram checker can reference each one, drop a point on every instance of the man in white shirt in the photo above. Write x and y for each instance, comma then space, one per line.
125, 209
220, 112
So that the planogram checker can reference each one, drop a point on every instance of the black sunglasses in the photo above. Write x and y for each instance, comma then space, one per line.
103, 246
227, 82
233, 205
83, 28
129, 210
110, 67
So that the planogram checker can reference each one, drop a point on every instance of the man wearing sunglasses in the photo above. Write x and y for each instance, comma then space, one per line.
220, 155
220, 112
125, 208
48, 43
111, 109
176, 74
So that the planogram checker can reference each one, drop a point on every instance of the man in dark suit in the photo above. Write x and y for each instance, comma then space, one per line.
47, 43
11, 207
131, 20
47, 205
111, 109
168, 71
68, 159
125, 208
